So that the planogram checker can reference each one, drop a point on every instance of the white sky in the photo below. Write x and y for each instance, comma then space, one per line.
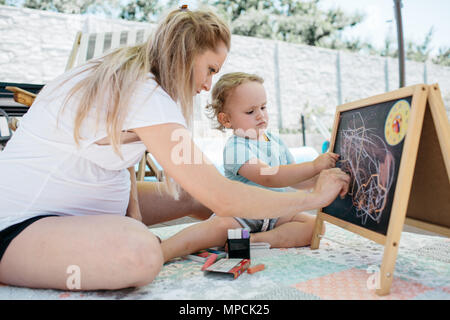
418, 17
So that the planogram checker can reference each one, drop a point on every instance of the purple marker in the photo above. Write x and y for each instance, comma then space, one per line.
245, 234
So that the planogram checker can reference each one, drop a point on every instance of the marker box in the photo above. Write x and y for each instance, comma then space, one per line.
231, 267
238, 244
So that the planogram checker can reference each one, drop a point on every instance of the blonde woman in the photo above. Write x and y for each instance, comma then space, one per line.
64, 185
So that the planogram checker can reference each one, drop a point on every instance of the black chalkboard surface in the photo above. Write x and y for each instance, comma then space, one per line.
370, 142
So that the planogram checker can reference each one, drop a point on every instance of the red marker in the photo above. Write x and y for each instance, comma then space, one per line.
203, 254
211, 259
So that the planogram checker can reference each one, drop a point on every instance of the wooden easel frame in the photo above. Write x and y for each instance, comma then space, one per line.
442, 131
421, 94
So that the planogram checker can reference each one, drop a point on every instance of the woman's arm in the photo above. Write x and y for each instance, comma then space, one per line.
307, 184
173, 148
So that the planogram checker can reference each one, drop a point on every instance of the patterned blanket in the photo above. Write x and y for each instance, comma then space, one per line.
344, 267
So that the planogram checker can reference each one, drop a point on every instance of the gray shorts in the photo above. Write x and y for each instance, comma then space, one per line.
257, 225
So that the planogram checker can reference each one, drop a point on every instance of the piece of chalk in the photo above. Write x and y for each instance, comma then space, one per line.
230, 233
212, 258
245, 234
258, 267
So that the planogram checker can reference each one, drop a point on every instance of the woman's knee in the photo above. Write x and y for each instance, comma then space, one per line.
142, 258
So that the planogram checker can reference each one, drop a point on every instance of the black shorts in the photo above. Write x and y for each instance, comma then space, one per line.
7, 235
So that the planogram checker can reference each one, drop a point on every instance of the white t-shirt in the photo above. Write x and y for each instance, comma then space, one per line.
43, 171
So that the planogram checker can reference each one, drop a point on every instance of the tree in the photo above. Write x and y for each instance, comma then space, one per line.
12, 3
254, 23
314, 27
443, 57
140, 10
233, 9
72, 6
144, 10
390, 48
287, 20
305, 22
419, 52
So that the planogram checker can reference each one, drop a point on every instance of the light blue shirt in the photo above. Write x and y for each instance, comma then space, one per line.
240, 150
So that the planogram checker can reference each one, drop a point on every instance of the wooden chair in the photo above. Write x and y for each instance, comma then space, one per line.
15, 104
93, 45
5, 130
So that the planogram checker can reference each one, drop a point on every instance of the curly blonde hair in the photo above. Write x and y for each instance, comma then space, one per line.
223, 89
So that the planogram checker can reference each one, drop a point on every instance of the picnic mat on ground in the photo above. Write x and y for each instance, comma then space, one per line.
342, 268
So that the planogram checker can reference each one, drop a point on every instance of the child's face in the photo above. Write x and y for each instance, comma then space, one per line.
245, 110
206, 65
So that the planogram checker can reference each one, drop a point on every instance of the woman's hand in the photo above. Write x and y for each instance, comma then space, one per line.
325, 161
330, 184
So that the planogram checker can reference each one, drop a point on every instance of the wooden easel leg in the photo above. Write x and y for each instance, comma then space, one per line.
315, 241
387, 267
141, 169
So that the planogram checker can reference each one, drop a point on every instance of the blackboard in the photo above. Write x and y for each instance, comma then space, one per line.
370, 142
380, 138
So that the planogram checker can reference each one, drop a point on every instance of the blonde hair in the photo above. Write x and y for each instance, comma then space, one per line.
168, 54
223, 89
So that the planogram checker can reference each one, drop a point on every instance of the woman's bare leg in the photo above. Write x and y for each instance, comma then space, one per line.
293, 231
157, 207
105, 251
202, 235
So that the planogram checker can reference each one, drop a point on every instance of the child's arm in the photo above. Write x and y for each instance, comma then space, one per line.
287, 175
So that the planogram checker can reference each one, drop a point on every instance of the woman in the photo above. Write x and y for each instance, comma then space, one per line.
65, 189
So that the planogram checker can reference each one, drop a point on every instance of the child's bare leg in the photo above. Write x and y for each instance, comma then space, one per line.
292, 231
202, 235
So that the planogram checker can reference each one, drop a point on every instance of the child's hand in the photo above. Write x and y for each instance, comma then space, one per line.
325, 161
